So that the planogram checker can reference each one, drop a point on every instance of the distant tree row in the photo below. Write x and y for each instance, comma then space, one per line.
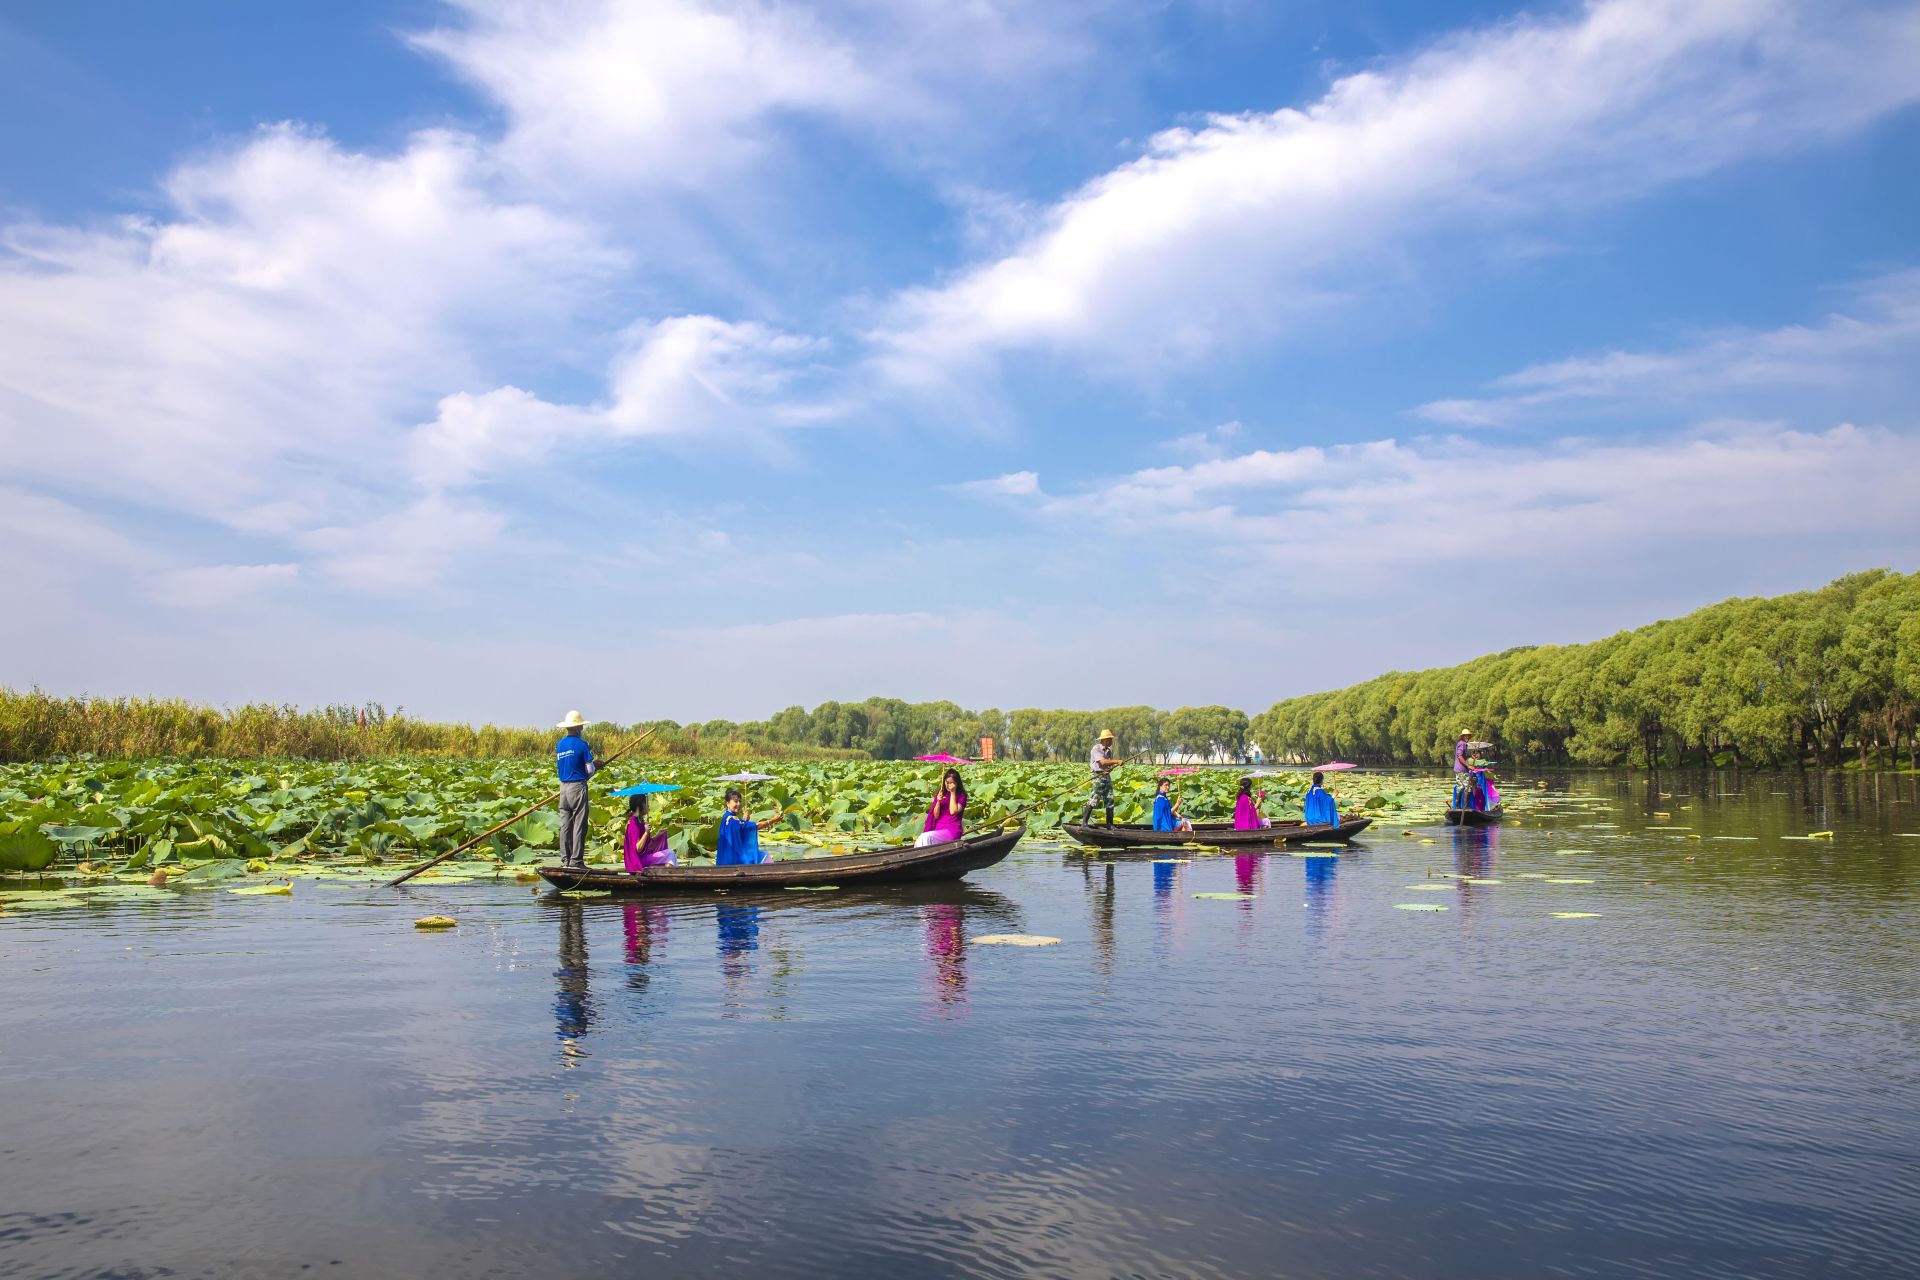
1817, 677
890, 729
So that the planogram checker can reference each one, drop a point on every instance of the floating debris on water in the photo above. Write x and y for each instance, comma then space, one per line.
435, 922
1575, 915
266, 890
1566, 880
1226, 897
1418, 906
1016, 940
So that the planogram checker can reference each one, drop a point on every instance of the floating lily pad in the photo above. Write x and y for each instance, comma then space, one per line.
1431, 888
811, 888
1016, 940
1226, 897
1418, 906
586, 893
1575, 915
1171, 862
265, 891
1566, 880
1473, 880
1819, 835
435, 922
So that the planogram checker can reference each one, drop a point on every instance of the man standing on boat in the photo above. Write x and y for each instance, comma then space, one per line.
1460, 751
1103, 764
574, 760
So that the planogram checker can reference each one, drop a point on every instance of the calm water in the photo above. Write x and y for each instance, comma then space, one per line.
1719, 1075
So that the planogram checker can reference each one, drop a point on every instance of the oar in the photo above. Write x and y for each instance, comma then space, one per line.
1118, 764
500, 826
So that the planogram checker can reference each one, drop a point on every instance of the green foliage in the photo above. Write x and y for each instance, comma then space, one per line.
1818, 676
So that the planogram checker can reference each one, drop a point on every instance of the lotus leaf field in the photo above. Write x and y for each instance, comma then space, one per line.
215, 819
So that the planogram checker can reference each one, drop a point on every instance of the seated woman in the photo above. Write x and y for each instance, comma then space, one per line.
1319, 809
645, 848
738, 843
1246, 809
944, 814
1166, 811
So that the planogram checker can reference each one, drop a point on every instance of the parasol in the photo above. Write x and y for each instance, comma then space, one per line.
744, 776
645, 789
942, 758
1262, 773
1333, 766
1178, 771
1480, 746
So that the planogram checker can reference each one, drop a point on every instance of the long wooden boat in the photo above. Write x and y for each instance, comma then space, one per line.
1475, 817
1221, 835
902, 865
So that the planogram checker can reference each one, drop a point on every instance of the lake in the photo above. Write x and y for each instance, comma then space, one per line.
1712, 1074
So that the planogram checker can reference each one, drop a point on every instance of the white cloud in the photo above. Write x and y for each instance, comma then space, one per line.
246, 356
687, 376
1881, 326
1015, 484
405, 550
1392, 505
666, 90
1250, 219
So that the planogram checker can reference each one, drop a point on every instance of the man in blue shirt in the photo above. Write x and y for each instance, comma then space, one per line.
574, 760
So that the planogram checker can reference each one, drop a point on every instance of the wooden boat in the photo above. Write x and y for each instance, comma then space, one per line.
902, 865
1221, 835
1475, 817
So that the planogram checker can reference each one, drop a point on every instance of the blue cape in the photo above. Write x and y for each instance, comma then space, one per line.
738, 844
1163, 819
1320, 809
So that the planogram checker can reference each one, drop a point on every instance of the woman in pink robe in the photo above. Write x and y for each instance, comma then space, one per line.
1246, 809
645, 848
944, 814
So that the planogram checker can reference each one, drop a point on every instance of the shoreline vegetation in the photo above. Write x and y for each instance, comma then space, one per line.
1827, 678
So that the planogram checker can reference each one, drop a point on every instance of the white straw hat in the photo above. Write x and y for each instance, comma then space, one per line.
573, 721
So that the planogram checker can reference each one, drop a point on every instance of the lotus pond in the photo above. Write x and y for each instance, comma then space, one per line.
1649, 1027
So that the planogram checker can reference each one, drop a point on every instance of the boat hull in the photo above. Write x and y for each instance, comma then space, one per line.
906, 865
1213, 834
1475, 817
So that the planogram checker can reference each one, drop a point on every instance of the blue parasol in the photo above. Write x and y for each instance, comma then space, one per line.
644, 789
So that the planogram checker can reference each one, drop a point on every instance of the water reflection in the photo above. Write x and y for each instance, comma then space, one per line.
1475, 856
738, 929
573, 996
645, 926
1322, 898
943, 926
1100, 893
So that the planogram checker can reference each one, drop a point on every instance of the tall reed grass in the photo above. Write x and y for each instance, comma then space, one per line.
36, 725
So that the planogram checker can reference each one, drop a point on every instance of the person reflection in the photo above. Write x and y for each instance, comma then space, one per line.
1246, 872
573, 998
944, 927
738, 928
1100, 900
646, 929
1474, 850
1322, 902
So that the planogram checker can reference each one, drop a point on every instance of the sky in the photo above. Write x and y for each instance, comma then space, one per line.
669, 358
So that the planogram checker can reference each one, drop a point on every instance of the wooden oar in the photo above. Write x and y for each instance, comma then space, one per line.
542, 803
1117, 764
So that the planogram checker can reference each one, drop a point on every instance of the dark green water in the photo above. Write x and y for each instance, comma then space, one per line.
1714, 1076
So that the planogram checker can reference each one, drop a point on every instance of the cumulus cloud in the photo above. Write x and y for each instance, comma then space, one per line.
1233, 227
404, 550
281, 318
687, 376
666, 90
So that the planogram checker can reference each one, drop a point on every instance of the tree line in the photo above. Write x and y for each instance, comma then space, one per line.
1817, 677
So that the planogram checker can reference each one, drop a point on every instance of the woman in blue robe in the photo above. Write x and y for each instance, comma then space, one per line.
1166, 812
1319, 808
738, 843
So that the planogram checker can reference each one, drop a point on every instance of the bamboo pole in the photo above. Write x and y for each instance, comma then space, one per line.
1117, 765
498, 826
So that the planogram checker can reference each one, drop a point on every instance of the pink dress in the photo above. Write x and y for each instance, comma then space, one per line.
646, 849
942, 821
1246, 815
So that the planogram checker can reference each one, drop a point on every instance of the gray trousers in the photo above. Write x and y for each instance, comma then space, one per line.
573, 824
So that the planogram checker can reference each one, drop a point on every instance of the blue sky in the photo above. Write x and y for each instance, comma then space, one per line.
694, 359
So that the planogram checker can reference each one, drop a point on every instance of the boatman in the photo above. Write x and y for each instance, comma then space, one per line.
574, 760
1460, 752
1103, 764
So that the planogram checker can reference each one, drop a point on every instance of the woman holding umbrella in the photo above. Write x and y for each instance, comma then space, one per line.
738, 842
645, 847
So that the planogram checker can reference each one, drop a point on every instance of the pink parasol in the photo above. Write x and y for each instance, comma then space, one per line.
1176, 772
942, 759
1333, 767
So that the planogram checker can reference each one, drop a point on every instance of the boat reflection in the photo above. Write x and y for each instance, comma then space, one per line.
1475, 857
